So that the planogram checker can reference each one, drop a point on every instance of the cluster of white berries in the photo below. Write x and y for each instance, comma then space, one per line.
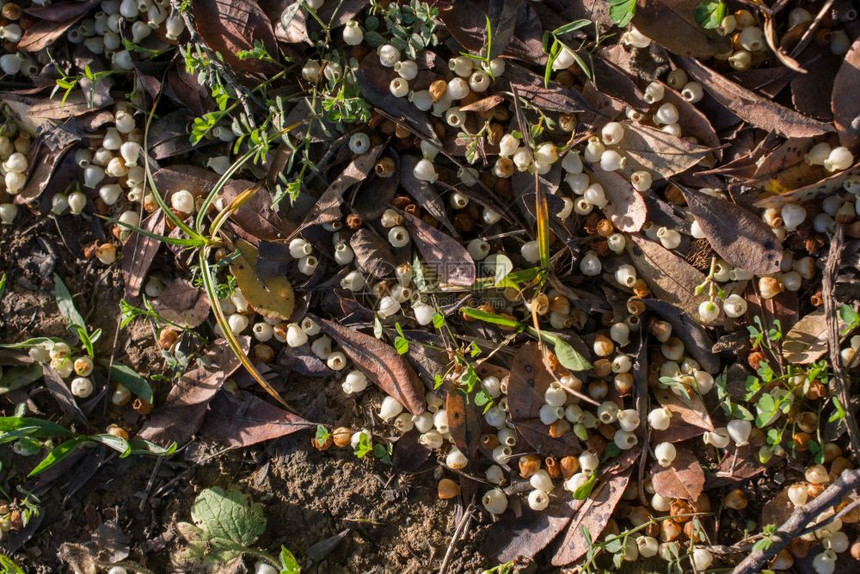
79, 369
14, 168
132, 19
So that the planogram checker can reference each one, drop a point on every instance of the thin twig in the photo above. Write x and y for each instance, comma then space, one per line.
458, 533
831, 313
797, 522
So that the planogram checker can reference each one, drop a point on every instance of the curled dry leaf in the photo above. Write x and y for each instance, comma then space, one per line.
381, 363
445, 257
684, 479
271, 297
845, 103
669, 277
528, 534
233, 26
593, 516
182, 413
182, 303
373, 255
139, 253
659, 152
737, 235
626, 208
246, 419
806, 342
760, 112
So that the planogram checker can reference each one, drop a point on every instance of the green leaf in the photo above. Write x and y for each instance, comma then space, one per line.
67, 304
228, 516
143, 446
363, 447
2, 292
322, 434
382, 453
488, 317
571, 27
9, 566
401, 343
567, 355
438, 320
132, 380
710, 14
767, 408
17, 377
621, 12
289, 564
47, 429
501, 266
114, 442
59, 453
583, 491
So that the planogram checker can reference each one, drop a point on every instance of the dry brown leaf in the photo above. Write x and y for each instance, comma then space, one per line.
845, 103
692, 412
409, 454
738, 464
760, 112
373, 255
806, 342
466, 21
536, 434
271, 297
464, 422
671, 23
138, 253
669, 277
818, 188
182, 303
593, 516
626, 208
243, 420
381, 363
327, 207
661, 153
182, 413
684, 479
256, 215
232, 26
737, 235
530, 86
810, 92
423, 192
528, 382
528, 534
445, 257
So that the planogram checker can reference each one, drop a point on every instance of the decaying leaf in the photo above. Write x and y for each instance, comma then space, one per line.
272, 297
245, 419
593, 516
181, 415
182, 303
381, 363
626, 208
761, 112
139, 252
658, 152
845, 103
806, 342
669, 277
528, 534
737, 235
464, 423
233, 26
373, 255
692, 412
672, 24
683, 479
445, 257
